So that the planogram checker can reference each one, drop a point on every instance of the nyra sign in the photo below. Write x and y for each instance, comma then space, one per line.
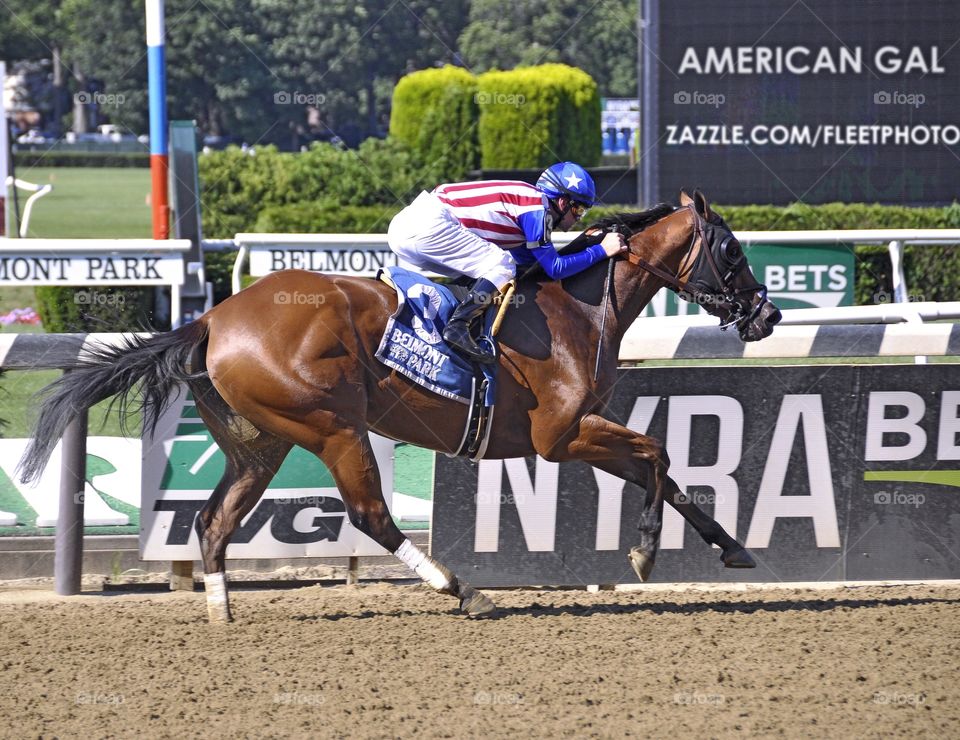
795, 462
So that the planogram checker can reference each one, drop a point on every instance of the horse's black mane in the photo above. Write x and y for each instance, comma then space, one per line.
626, 223
633, 222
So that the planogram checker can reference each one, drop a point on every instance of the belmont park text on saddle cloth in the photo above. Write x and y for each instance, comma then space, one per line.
413, 343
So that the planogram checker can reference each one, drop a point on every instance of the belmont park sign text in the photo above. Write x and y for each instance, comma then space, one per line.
361, 261
101, 269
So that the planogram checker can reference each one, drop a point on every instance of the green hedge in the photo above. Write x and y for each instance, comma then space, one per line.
236, 186
80, 159
434, 112
535, 116
326, 218
94, 309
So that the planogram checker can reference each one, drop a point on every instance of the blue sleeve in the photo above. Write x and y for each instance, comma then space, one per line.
559, 266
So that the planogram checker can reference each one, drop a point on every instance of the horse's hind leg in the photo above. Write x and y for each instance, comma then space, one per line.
349, 457
252, 459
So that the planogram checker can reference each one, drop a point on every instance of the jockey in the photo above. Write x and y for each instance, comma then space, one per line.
485, 229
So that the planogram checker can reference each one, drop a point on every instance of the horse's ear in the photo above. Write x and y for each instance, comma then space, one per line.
685, 199
702, 205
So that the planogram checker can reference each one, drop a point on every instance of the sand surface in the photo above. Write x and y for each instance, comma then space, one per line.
398, 661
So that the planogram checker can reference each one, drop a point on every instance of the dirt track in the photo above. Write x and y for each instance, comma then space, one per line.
397, 661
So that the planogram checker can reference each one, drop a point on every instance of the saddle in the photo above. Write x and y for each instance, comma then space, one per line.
412, 344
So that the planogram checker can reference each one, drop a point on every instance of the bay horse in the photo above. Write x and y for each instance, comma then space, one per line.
268, 374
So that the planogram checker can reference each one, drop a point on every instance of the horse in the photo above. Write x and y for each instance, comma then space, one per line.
268, 374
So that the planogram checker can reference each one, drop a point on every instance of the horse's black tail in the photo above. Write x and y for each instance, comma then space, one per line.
160, 361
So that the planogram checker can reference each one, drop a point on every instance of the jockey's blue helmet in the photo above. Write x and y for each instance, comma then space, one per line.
569, 179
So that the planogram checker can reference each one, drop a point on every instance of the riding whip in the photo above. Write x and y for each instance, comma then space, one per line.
603, 317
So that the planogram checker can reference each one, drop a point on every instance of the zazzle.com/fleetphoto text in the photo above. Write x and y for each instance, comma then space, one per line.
812, 136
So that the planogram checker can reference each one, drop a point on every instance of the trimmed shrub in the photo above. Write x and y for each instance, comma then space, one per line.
31, 159
94, 309
447, 142
326, 218
535, 116
236, 186
434, 112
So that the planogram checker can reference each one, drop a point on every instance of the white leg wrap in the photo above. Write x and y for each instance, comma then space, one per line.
424, 567
215, 586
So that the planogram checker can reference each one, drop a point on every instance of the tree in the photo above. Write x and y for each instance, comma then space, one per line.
29, 29
276, 71
599, 38
349, 54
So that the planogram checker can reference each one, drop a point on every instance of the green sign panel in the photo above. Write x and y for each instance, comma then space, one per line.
807, 276
804, 276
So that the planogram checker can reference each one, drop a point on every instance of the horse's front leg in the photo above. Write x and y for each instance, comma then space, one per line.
732, 553
642, 460
636, 458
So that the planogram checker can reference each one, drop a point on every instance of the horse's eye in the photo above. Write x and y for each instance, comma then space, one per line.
730, 249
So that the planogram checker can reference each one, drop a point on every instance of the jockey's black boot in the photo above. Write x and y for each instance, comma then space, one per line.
457, 331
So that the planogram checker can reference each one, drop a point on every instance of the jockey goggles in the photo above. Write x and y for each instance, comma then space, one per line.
579, 210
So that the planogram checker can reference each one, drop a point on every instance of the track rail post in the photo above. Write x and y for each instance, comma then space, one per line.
68, 540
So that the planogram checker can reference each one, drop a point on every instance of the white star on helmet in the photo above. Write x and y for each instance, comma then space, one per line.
573, 182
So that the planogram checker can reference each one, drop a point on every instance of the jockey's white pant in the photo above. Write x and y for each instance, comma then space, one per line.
428, 236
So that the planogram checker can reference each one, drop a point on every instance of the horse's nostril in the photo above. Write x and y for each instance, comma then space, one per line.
774, 318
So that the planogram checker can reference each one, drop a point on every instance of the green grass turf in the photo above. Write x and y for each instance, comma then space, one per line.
18, 406
86, 202
89, 202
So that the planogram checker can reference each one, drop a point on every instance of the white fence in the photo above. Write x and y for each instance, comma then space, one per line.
364, 254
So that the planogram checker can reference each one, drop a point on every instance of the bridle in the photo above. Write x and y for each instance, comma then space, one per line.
709, 280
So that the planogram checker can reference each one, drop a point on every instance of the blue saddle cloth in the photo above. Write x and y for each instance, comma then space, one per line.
413, 343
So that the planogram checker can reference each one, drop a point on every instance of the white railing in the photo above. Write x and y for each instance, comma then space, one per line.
96, 262
310, 244
38, 192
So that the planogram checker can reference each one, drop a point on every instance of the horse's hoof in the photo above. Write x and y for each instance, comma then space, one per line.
642, 563
738, 558
475, 604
